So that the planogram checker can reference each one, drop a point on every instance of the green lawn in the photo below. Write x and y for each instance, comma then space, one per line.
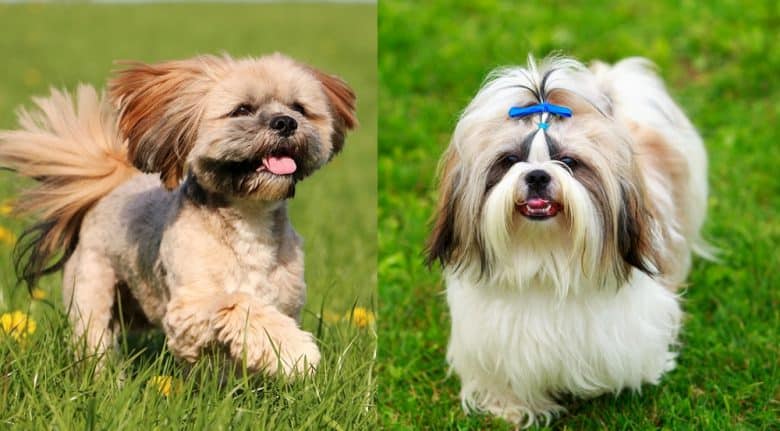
721, 62
41, 384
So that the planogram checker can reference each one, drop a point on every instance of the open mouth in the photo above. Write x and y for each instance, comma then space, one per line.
539, 208
278, 165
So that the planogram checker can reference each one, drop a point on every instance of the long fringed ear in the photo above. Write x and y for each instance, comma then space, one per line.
443, 242
635, 230
159, 112
342, 103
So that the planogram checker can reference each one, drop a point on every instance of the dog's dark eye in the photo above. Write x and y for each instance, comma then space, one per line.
297, 107
242, 110
568, 161
511, 159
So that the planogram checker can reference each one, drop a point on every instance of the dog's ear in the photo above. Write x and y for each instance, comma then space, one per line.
341, 99
443, 242
635, 230
159, 112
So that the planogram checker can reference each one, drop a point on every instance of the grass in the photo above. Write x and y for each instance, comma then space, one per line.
720, 62
42, 386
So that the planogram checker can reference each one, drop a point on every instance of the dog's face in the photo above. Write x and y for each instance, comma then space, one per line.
561, 201
248, 128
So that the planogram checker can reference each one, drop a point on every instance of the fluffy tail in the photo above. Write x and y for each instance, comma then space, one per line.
639, 94
72, 148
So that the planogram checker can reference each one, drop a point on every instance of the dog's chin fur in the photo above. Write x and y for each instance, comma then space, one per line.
201, 244
578, 296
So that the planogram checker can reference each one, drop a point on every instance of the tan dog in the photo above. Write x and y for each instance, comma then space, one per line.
207, 250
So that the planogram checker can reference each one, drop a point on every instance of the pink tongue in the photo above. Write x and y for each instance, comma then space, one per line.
280, 165
537, 203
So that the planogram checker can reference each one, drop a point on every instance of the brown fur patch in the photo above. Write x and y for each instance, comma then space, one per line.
443, 244
634, 229
342, 102
662, 157
657, 155
159, 112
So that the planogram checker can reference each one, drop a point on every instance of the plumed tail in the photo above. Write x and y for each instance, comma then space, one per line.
71, 146
639, 94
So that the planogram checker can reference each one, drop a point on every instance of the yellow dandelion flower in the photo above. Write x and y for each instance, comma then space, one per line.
17, 325
360, 317
6, 236
165, 385
38, 294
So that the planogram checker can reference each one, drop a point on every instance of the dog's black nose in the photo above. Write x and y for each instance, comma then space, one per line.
537, 179
284, 125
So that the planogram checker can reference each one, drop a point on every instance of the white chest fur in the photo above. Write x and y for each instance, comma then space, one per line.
517, 349
267, 260
254, 257
247, 247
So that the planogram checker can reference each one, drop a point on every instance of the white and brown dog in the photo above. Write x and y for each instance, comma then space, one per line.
571, 201
205, 250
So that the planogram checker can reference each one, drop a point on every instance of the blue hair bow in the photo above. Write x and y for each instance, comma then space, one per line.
561, 111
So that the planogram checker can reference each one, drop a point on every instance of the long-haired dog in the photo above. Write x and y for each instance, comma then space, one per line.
205, 249
570, 202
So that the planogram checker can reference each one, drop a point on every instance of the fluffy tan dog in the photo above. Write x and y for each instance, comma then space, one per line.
206, 250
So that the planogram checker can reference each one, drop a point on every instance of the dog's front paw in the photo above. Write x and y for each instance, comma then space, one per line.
298, 353
265, 339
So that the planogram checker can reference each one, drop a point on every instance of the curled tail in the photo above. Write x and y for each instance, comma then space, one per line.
72, 147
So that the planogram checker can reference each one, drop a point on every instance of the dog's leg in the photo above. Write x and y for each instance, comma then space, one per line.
248, 328
267, 338
89, 289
